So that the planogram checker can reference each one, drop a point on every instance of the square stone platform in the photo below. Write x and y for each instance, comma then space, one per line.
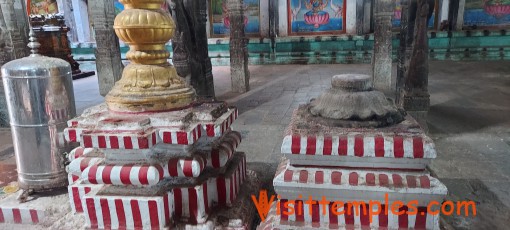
307, 141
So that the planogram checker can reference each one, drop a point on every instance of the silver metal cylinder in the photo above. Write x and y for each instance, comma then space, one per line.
40, 100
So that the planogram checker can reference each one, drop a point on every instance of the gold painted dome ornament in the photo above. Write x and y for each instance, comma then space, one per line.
149, 83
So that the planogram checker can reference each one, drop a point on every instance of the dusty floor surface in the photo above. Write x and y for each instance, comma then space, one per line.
469, 120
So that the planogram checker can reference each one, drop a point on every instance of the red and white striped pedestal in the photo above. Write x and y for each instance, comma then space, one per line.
334, 184
151, 170
40, 210
190, 203
359, 178
239, 216
329, 217
400, 146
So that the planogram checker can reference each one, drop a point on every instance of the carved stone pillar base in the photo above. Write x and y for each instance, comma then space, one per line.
416, 103
417, 107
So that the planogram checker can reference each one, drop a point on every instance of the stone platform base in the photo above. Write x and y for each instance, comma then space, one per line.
239, 216
55, 212
332, 221
41, 208
298, 183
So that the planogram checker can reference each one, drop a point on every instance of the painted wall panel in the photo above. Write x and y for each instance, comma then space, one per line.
43, 7
487, 13
397, 12
220, 21
313, 17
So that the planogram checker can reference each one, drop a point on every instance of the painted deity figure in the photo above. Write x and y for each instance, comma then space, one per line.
497, 8
316, 6
225, 14
316, 16
44, 7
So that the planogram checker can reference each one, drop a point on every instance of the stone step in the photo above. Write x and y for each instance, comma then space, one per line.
293, 182
129, 212
142, 131
358, 162
313, 141
241, 214
334, 217
361, 145
183, 202
94, 170
40, 208
76, 191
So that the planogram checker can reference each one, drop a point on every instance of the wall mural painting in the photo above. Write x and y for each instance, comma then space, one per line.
119, 7
43, 7
487, 13
316, 17
220, 22
397, 13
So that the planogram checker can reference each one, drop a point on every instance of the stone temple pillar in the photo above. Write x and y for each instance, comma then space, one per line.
191, 54
12, 46
182, 43
199, 9
382, 45
407, 23
415, 97
238, 48
108, 61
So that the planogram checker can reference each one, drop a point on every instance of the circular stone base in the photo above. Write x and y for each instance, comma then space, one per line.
352, 82
375, 122
351, 102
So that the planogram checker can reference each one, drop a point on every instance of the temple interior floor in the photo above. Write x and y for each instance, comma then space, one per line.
469, 120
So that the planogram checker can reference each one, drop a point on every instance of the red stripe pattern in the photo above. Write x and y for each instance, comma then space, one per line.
221, 153
316, 219
75, 153
227, 187
140, 175
124, 212
191, 204
72, 178
222, 124
78, 165
73, 134
360, 178
181, 137
191, 200
184, 167
123, 140
361, 146
76, 192
21, 215
195, 203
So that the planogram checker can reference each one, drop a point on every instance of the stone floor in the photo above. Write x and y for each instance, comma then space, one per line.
469, 120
